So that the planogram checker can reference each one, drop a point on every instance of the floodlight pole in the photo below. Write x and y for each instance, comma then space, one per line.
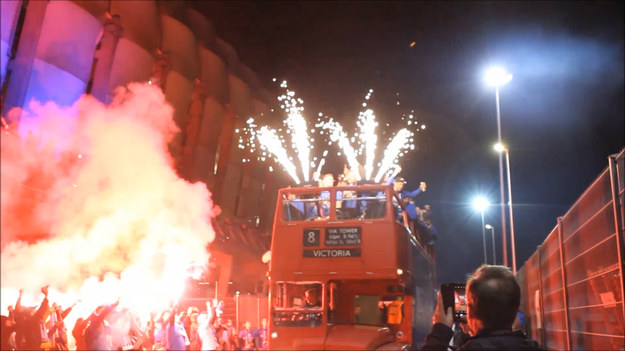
492, 234
484, 237
501, 184
511, 216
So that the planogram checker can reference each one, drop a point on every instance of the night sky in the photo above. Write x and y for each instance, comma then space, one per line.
562, 114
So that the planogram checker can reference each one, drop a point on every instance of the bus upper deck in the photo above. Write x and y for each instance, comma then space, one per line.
367, 223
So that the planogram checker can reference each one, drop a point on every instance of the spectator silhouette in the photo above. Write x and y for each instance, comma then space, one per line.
246, 337
29, 323
97, 333
262, 335
493, 299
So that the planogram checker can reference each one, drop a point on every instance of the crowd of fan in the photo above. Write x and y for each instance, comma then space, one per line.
110, 327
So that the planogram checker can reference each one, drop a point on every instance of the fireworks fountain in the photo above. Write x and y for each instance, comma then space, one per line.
365, 137
367, 124
298, 128
271, 142
393, 151
340, 137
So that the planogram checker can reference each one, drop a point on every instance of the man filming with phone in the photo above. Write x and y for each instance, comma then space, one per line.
493, 297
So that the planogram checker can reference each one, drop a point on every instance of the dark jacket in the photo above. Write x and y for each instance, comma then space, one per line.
504, 339
96, 332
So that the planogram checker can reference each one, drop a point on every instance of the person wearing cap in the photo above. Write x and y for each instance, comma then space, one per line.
398, 186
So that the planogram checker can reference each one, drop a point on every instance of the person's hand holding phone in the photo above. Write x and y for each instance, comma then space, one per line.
453, 295
440, 315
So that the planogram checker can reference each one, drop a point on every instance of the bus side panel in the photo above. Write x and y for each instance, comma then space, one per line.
425, 300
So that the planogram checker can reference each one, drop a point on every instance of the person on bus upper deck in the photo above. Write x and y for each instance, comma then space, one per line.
350, 203
493, 299
425, 222
411, 208
412, 211
327, 180
398, 186
306, 210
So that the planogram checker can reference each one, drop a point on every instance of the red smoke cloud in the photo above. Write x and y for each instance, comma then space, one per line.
92, 205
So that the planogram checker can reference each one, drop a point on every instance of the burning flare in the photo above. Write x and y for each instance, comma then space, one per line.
93, 207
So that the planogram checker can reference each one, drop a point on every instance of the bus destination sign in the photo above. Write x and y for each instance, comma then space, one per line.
343, 236
332, 253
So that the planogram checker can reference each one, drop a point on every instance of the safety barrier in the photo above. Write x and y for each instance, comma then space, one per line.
572, 286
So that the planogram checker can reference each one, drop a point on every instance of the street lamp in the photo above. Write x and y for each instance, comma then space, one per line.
492, 234
480, 203
497, 76
500, 148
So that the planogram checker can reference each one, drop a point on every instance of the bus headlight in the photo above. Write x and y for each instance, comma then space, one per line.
274, 335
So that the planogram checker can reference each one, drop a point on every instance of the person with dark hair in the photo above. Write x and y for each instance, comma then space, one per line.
493, 299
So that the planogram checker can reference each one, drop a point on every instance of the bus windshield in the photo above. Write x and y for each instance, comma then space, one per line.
298, 304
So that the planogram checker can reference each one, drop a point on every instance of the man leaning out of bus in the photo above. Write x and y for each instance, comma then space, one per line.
493, 299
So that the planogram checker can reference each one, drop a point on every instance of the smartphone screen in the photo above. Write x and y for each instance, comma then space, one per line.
460, 302
454, 296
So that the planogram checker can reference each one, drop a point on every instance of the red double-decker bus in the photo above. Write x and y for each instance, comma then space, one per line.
346, 271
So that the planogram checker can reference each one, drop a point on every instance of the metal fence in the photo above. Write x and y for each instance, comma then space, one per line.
252, 308
572, 286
